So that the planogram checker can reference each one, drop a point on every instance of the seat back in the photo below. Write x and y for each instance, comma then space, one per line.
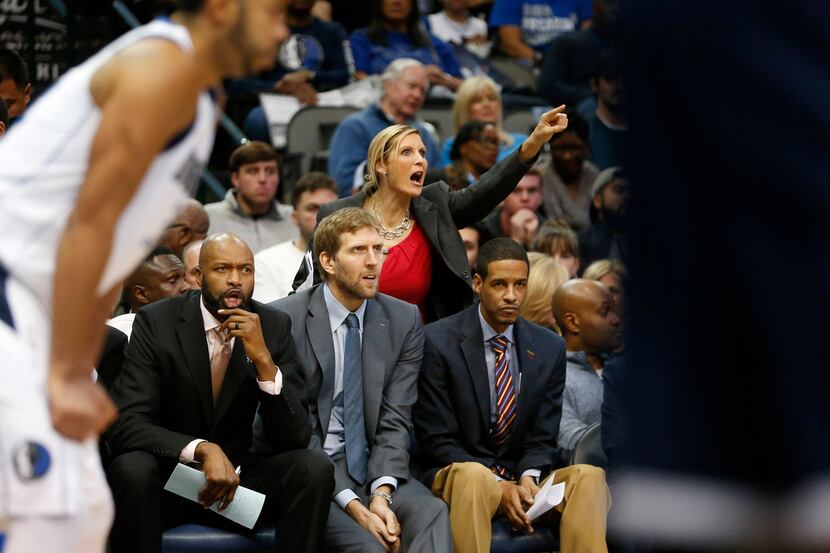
310, 131
441, 119
588, 449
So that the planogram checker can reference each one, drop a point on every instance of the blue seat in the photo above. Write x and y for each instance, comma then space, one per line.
505, 540
190, 538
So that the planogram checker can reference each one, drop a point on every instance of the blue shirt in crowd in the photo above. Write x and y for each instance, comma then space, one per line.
373, 58
351, 142
540, 20
504, 150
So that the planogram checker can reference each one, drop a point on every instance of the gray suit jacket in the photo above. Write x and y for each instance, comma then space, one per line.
393, 342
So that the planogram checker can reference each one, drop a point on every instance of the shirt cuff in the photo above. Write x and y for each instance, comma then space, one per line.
344, 497
272, 388
535, 473
189, 452
390, 480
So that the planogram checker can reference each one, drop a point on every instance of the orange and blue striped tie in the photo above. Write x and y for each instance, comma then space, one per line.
505, 393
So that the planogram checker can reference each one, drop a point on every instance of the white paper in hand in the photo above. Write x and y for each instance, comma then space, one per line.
244, 509
548, 497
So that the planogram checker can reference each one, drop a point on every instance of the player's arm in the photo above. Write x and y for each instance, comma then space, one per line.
147, 94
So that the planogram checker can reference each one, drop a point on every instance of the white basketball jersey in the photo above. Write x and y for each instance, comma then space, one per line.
44, 160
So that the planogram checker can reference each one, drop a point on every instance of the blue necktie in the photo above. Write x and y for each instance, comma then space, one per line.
354, 430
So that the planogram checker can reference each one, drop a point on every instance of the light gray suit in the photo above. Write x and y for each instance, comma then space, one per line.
391, 360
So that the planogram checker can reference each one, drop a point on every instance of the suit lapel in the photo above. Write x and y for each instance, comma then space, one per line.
318, 329
425, 214
528, 370
375, 354
472, 346
191, 335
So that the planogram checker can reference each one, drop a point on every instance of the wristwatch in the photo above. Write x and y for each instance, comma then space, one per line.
385, 496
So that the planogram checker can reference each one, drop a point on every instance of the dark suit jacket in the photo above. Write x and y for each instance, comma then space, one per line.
452, 416
392, 350
112, 357
164, 392
441, 213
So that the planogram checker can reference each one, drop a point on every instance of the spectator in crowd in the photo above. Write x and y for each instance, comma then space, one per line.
197, 369
250, 209
15, 86
277, 265
608, 124
427, 263
518, 217
474, 152
571, 60
527, 27
544, 278
606, 237
361, 398
471, 238
190, 225
190, 258
557, 240
454, 24
612, 273
592, 329
395, 32
487, 447
160, 276
568, 176
405, 85
479, 98
312, 59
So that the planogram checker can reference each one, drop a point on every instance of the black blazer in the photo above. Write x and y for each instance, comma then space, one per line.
452, 415
441, 212
164, 393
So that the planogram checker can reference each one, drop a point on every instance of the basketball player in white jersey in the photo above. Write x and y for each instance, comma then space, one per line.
89, 179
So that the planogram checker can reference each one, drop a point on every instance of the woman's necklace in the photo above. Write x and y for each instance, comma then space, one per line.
396, 232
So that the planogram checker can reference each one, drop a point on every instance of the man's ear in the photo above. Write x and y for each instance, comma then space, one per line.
2, 128
326, 262
597, 201
570, 321
477, 283
198, 275
140, 294
235, 179
224, 13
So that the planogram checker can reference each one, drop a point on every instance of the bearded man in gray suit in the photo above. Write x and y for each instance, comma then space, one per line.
361, 397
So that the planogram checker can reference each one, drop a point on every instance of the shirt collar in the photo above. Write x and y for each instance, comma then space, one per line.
488, 331
209, 320
233, 202
338, 313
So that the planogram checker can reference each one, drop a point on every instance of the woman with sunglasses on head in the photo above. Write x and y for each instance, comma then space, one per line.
480, 98
427, 262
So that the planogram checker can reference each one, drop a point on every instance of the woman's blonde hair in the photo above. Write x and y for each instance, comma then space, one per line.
602, 267
383, 144
471, 89
545, 276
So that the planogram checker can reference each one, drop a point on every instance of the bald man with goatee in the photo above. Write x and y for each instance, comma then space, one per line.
198, 368
584, 310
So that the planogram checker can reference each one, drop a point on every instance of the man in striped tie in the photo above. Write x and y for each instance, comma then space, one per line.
488, 411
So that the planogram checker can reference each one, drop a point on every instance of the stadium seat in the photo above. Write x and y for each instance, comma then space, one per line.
588, 449
194, 538
310, 130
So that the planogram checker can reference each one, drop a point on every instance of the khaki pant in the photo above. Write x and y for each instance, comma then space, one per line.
473, 495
